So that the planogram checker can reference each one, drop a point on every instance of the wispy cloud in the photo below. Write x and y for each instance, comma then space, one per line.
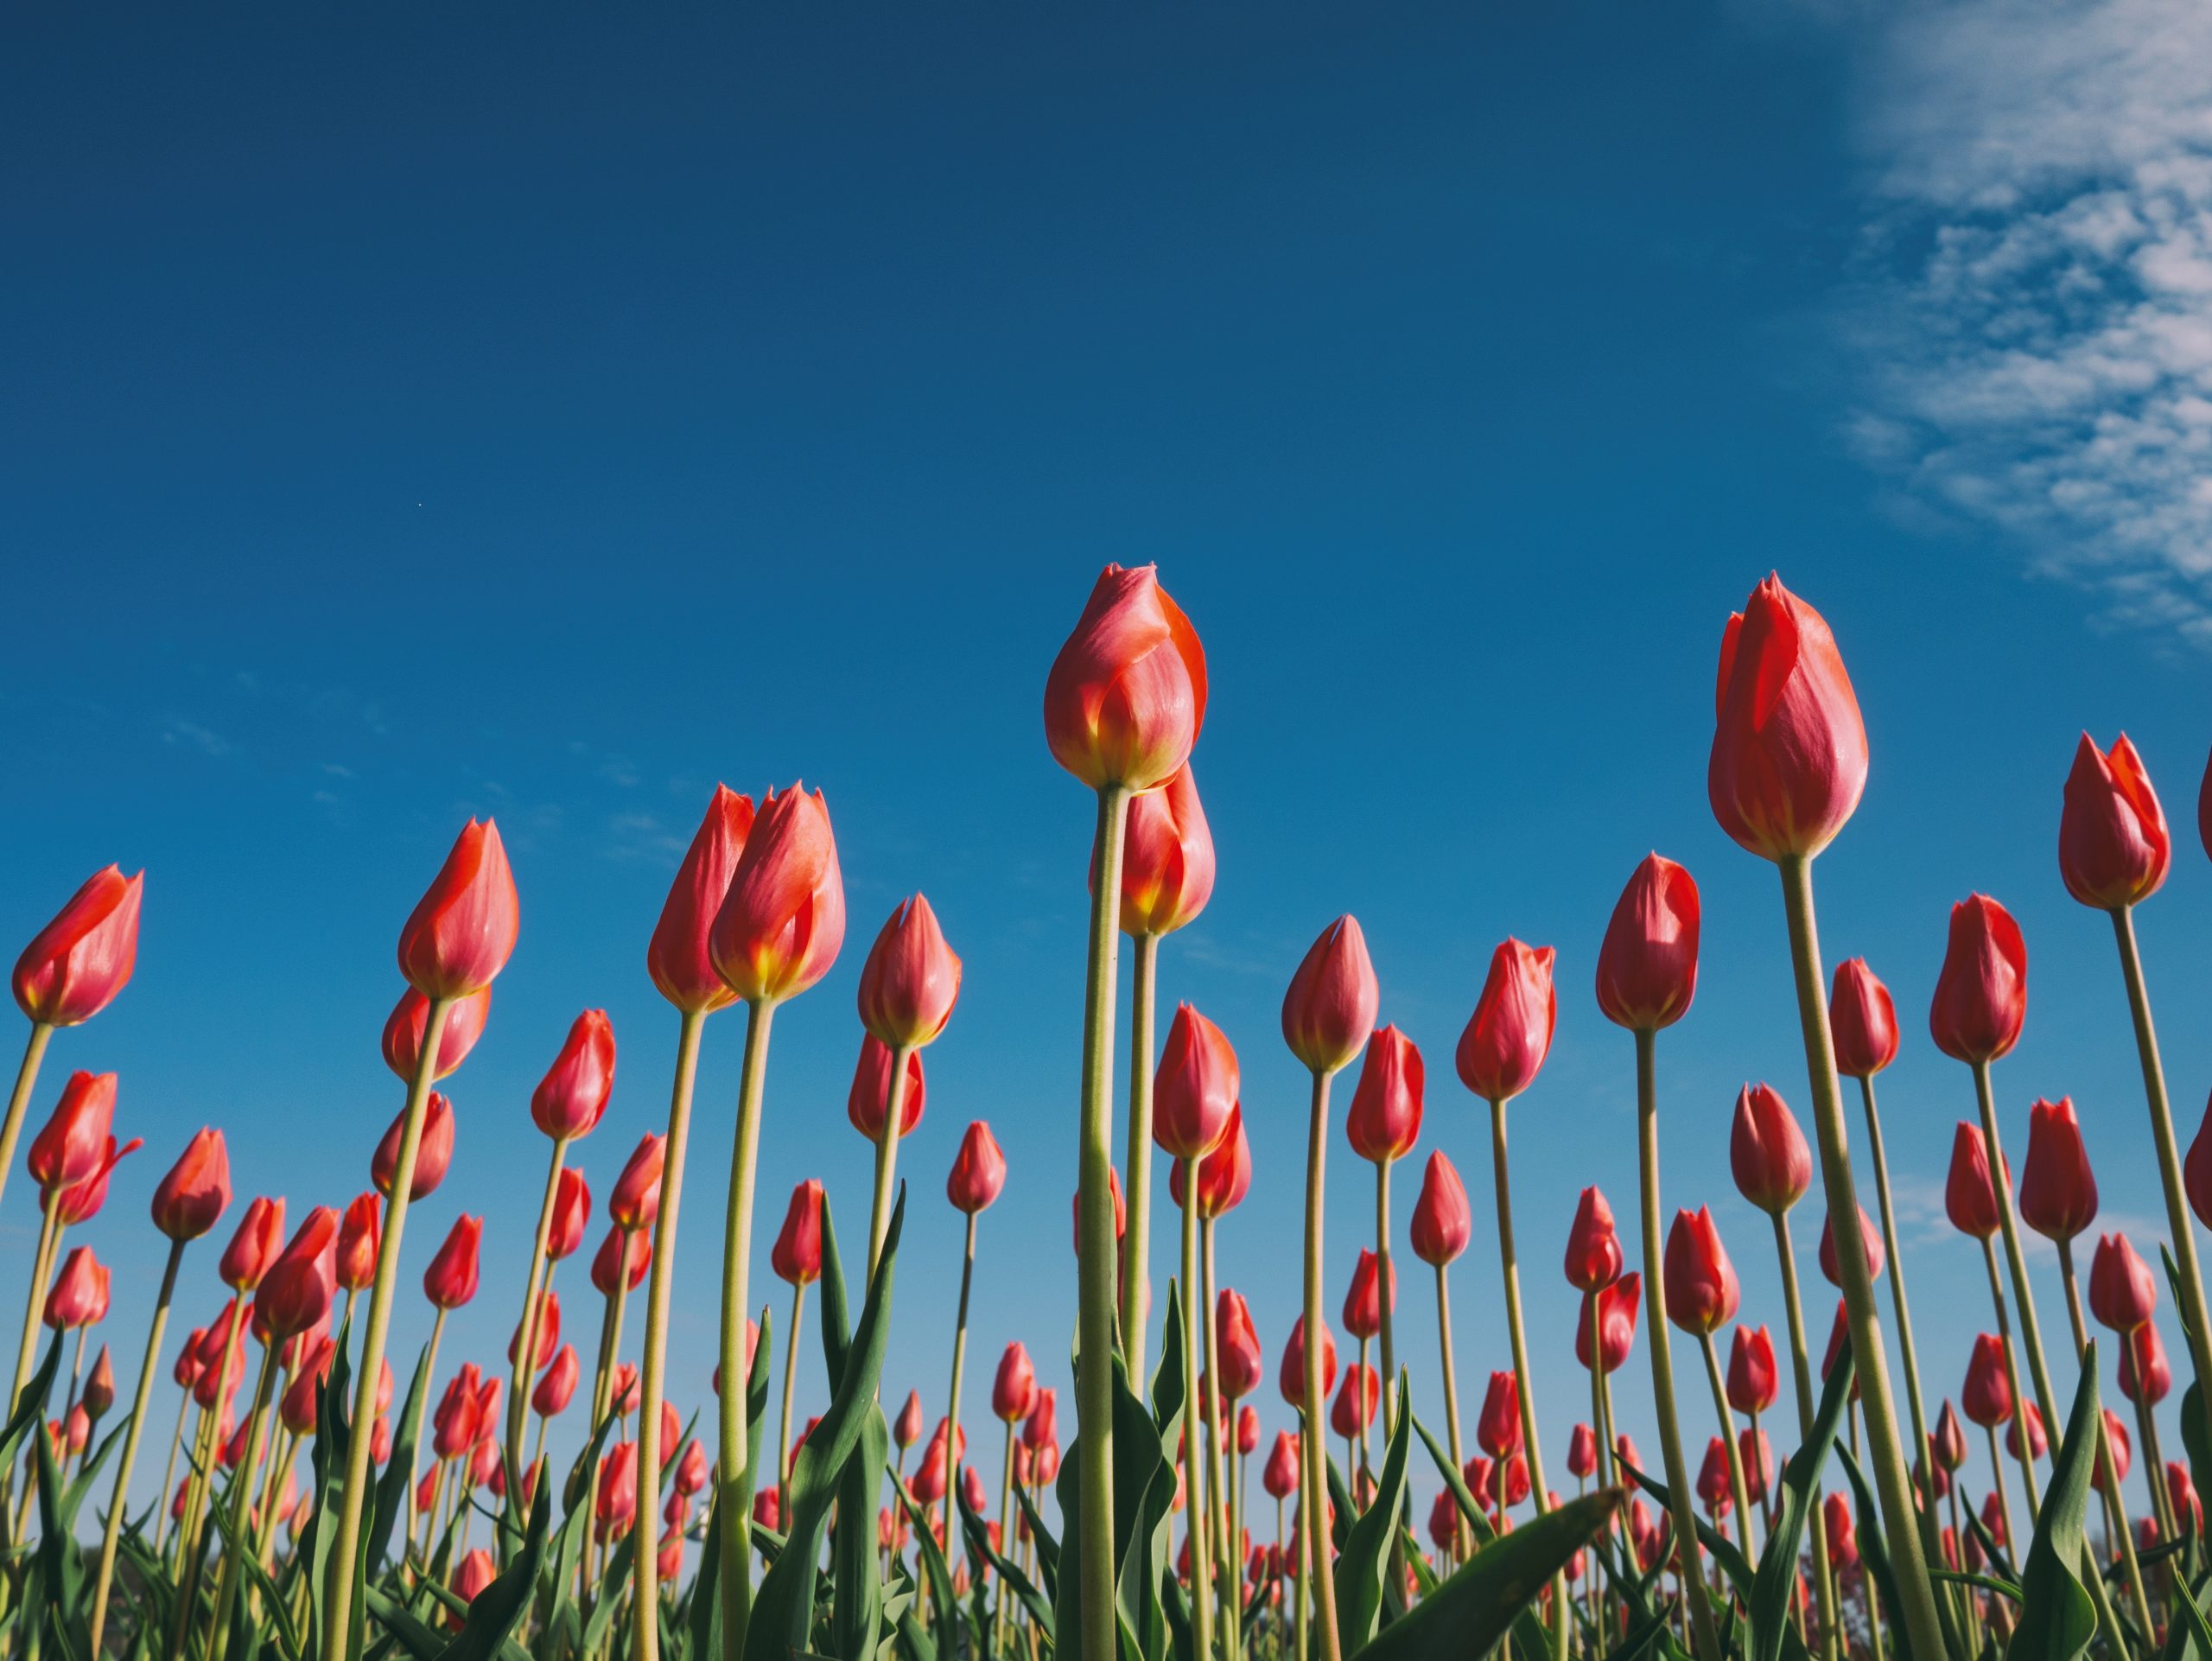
2038, 315
181, 730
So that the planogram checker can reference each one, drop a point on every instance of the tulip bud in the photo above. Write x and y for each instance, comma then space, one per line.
1353, 1411
635, 1200
911, 980
2058, 1193
74, 1139
1981, 995
2122, 1294
1593, 1248
1168, 863
75, 965
623, 1256
1497, 1430
2183, 1491
1756, 1451
556, 1383
1616, 1309
1714, 1485
797, 1254
1700, 1282
1385, 1118
1767, 1152
1647, 968
2114, 845
1862, 1021
99, 1389
978, 1170
1842, 1531
2038, 1443
1581, 1454
1969, 1195
1041, 1430
1948, 1439
1291, 1379
193, 1197
2144, 1374
1444, 1521
1509, 1034
572, 1095
906, 1429
691, 1475
622, 1391
1752, 1378
1279, 1475
548, 1332
296, 1292
463, 928
869, 1099
1126, 695
783, 920
1442, 1222
1195, 1088
1364, 1302
1237, 1343
433, 1151
1014, 1392
1871, 1242
255, 1246
1788, 760
678, 958
450, 1281
1328, 1011
1988, 1396
1224, 1178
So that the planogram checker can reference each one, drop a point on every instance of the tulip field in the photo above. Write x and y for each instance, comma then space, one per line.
323, 1496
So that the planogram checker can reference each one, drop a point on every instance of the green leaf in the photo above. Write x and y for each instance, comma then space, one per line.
1776, 1580
703, 1630
391, 1493
936, 1575
1365, 1558
1723, 1550
74, 1497
1048, 1547
1987, 1582
327, 1461
28, 1415
1529, 1634
1873, 1546
1479, 1603
1009, 1572
287, 1636
495, 1611
2058, 1618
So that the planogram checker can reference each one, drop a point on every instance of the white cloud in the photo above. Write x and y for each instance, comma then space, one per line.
2037, 312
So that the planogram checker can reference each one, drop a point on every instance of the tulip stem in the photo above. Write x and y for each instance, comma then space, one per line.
2154, 1474
1914, 1590
1137, 1273
104, 1580
19, 1100
736, 1582
2107, 1470
1005, 1542
790, 1380
2015, 1260
610, 1341
1197, 1502
1221, 1496
959, 1368
2179, 1226
1099, 1255
415, 1422
1905, 1354
1736, 1486
1450, 1386
169, 1476
338, 1590
189, 1540
226, 1587
733, 1481
1996, 1474
886, 1153
1313, 1505
526, 1333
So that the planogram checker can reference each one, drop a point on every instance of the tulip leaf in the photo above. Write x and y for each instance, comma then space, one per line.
1999, 1558
1719, 1546
29, 1414
287, 1636
1529, 1634
492, 1614
1048, 1546
2058, 1618
2187, 1637
1365, 1557
702, 1628
936, 1574
1770, 1633
856, 1604
1009, 1572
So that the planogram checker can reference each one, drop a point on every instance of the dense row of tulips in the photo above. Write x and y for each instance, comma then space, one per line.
830, 1545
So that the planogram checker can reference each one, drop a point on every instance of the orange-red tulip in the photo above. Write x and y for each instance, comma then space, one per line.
1363, 1311
410, 1018
549, 1334
1872, 1238
910, 981
2038, 1441
1647, 968
450, 1281
2113, 844
1593, 1247
297, 1406
1618, 1307
556, 1384
2122, 1294
564, 1229
463, 929
906, 1429
75, 965
2058, 1193
1328, 1011
678, 957
1497, 1427
623, 1256
1353, 1411
2145, 1375
1014, 1392
99, 1388
1384, 1121
1714, 1485
359, 1233
1442, 1222
1279, 1475
572, 1094
255, 1246
635, 1201
1581, 1454
1291, 1378
81, 1200
1842, 1530
74, 1141
1167, 863
80, 1294
783, 920
1948, 1440
1509, 1034
1788, 760
1969, 1195
1767, 1152
692, 1470
433, 1150
1753, 1381
196, 1192
1225, 1178
1238, 1344
1041, 1430
476, 1571
1702, 1290
1126, 697
797, 1254
296, 1292
869, 1099
1981, 996
1987, 1396
1862, 1021
1195, 1087
978, 1170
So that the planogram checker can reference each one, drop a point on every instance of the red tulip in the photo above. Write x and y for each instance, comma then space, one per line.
912, 979
1981, 996
1862, 1021
1126, 695
797, 1254
1385, 1118
2114, 845
1278, 1476
1969, 1196
1120, 1210
1593, 1248
678, 957
1236, 1342
1353, 1411
622, 1391
1789, 757
2122, 1294
1497, 1430
1838, 1344
971, 1488
360, 1231
99, 1389
1757, 1453
1647, 968
187, 1371
1291, 1379
1014, 1392
623, 1256
1363, 1302
80, 1294
1987, 1396
1442, 1222
404, 1027
1618, 1305
1714, 1485
1516, 1471
869, 1099
1700, 1282
2038, 1443
2123, 1449
2144, 1373
1042, 1428
75, 965
2183, 1491
783, 920
906, 1429
1195, 1088
193, 1197
1948, 1440
1582, 1453
433, 1150
2058, 1193
617, 1488
1328, 1011
572, 1094
768, 1511
1868, 1234
1444, 1521
463, 928
635, 1201
564, 1228
556, 1384
548, 1332
978, 1171
450, 1281
1167, 863
1842, 1531
931, 1477
297, 1406
255, 1246
1753, 1381
1225, 1178
296, 1292
1481, 1478
692, 1470
81, 1200
74, 1139
1510, 1031
1767, 1152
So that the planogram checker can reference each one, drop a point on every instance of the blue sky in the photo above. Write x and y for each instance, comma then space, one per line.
548, 414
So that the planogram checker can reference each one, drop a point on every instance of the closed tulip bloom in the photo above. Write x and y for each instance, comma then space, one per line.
2123, 1448
186, 1373
1714, 1487
1981, 995
692, 1470
912, 978
297, 1406
1328, 1011
259, 1239
1618, 1305
1988, 1396
1593, 1247
450, 1281
196, 1192
359, 1232
410, 1018
574, 1092
296, 1292
677, 957
1014, 1392
2038, 1443
1226, 1177
2114, 845
556, 1383
2145, 1375
1041, 1430
1195, 1087
635, 1200
70, 1146
1290, 1377
1442, 1222
1582, 1453
1509, 1034
1647, 968
1363, 1302
1948, 1439
1862, 1021
932, 1474
549, 1334
2197, 1169
1868, 1234
1969, 1196
1126, 697
75, 965
1120, 1210
1497, 1430
564, 1229
1842, 1531
622, 1258
1756, 1450
1237, 1344
617, 1487
81, 1200
1767, 1152
1385, 1118
1788, 760
978, 1171
2122, 1294
1702, 1290
869, 1099
1278, 1476
2058, 1193
1168, 863
463, 928
433, 1150
476, 1571
622, 1393
797, 1254
1353, 1411
783, 920
80, 1294
2183, 1491
1444, 1521
1753, 1379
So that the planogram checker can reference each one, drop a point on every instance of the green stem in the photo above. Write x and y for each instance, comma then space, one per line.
189, 1540
526, 1333
169, 1476
1914, 1590
2012, 1379
1740, 1491
1510, 1263
1221, 1500
1136, 1272
19, 1099
2016, 1261
1996, 1474
1450, 1385
338, 1590
1006, 1542
2107, 1472
959, 1367
110, 1537
226, 1587
2146, 1420
1313, 1442
886, 1155
733, 1481
1197, 1501
602, 1384
1100, 1254
1387, 1287
414, 1420
791, 1382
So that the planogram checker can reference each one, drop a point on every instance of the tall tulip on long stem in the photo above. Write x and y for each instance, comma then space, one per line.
1442, 1226
796, 1259
908, 988
1382, 1126
1787, 766
1701, 1298
978, 1174
1970, 1199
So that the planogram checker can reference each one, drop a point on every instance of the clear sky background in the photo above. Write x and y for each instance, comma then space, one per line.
547, 413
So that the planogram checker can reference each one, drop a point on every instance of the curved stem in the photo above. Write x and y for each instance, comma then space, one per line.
49, 1237
19, 1100
959, 1367
169, 1475
2107, 1472
1221, 1500
1198, 1499
236, 1548
732, 1478
1450, 1388
791, 1383
1136, 1178
886, 1155
1312, 1442
2012, 1379
104, 1580
527, 1330
1738, 1490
